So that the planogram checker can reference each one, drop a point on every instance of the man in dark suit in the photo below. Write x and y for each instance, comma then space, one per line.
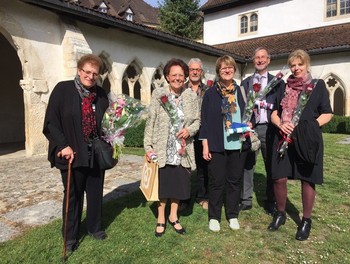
261, 123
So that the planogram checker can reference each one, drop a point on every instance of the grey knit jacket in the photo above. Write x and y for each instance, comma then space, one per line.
157, 126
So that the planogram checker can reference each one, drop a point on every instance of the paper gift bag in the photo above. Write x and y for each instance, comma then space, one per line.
149, 180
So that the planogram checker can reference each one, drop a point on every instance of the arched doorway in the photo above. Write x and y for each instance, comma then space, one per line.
12, 130
338, 102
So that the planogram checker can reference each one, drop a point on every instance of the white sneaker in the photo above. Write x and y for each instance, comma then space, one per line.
233, 222
214, 225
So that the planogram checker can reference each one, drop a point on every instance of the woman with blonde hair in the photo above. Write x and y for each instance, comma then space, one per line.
298, 162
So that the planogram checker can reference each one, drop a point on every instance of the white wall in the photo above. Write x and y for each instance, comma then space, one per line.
274, 16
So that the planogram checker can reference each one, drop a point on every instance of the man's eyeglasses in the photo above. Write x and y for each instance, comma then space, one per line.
89, 73
195, 69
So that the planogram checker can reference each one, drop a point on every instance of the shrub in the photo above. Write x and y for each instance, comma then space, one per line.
338, 124
134, 136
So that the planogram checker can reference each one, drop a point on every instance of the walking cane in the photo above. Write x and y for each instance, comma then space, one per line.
64, 257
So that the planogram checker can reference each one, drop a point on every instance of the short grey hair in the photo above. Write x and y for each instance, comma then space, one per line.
261, 48
195, 60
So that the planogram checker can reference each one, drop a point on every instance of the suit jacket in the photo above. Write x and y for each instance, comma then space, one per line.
62, 124
157, 126
270, 97
212, 127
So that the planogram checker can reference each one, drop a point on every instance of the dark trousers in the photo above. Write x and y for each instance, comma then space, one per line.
248, 179
89, 180
202, 172
225, 170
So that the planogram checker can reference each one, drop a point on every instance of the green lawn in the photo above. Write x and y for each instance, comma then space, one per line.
130, 222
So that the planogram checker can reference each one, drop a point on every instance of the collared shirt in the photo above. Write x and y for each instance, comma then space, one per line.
261, 110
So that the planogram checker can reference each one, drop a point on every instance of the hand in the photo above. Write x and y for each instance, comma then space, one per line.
250, 124
206, 152
183, 133
148, 155
67, 153
286, 127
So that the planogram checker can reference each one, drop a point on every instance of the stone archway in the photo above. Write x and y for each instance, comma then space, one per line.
12, 126
337, 93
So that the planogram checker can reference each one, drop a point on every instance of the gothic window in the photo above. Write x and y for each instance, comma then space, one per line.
157, 80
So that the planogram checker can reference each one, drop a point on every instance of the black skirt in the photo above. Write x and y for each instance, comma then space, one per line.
174, 183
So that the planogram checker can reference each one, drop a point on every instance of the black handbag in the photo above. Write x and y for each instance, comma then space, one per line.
103, 154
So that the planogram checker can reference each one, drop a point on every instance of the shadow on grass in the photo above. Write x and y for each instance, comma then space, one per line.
126, 196
260, 189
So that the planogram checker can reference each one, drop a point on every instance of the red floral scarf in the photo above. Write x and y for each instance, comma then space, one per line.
88, 120
293, 89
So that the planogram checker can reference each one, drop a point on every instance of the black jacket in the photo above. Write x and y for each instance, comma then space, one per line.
62, 124
212, 119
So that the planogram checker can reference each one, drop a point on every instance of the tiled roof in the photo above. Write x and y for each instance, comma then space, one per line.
315, 41
143, 12
89, 14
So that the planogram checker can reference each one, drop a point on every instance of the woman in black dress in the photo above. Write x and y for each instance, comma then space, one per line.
293, 164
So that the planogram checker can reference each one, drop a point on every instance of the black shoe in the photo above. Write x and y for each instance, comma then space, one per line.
179, 231
159, 234
99, 235
71, 245
269, 207
303, 230
279, 218
245, 207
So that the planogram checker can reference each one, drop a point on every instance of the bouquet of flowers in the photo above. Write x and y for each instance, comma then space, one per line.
123, 112
175, 120
302, 101
254, 93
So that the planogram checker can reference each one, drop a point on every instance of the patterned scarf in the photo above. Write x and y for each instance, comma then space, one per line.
293, 89
88, 121
228, 103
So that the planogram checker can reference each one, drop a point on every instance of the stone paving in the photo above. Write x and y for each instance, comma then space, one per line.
31, 192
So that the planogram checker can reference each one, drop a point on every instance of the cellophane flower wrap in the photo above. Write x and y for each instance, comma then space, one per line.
254, 93
302, 101
123, 112
175, 120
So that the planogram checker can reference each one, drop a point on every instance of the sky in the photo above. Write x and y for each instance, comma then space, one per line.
155, 2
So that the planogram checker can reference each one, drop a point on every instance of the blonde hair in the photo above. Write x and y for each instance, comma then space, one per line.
299, 54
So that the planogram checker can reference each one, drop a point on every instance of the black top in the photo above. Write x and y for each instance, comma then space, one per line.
62, 124
289, 165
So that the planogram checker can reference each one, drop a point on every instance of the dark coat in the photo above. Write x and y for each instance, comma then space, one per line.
270, 97
62, 124
212, 119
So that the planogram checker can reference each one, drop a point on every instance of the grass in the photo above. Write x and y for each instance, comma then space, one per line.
130, 222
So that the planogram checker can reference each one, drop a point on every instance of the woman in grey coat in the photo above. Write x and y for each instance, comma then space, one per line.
173, 121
